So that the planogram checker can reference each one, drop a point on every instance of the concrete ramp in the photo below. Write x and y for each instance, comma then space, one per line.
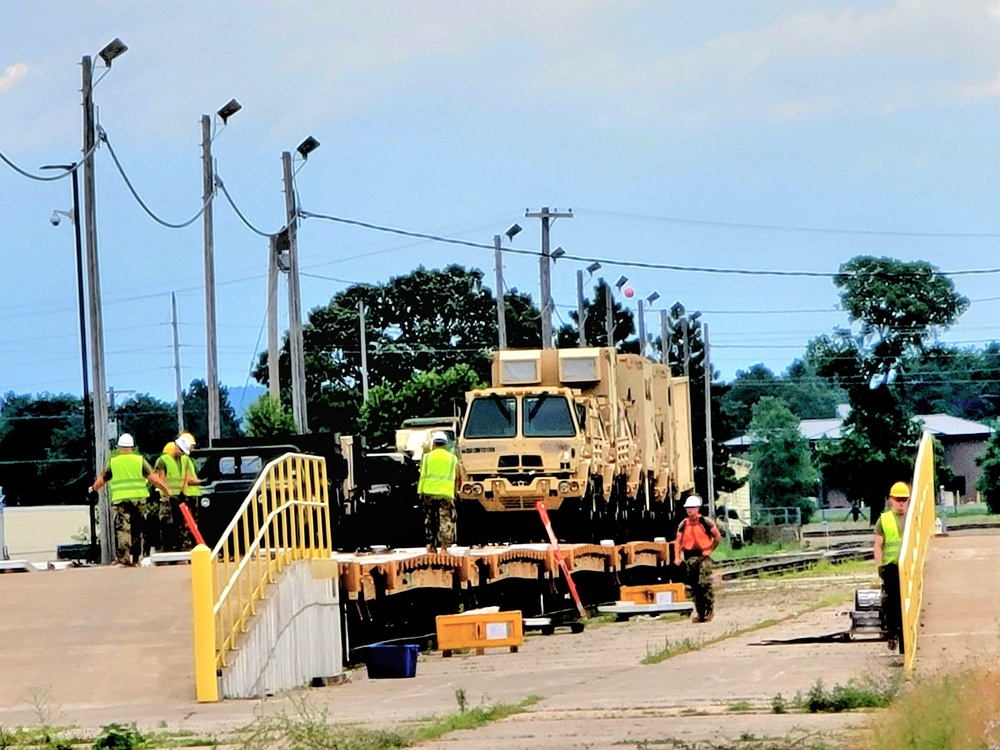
960, 618
100, 636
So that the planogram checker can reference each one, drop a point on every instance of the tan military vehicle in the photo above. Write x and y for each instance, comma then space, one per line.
603, 438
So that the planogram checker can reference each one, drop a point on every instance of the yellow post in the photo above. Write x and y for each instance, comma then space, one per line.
203, 603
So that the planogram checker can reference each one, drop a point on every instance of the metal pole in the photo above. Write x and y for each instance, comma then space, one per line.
642, 328
212, 373
362, 311
294, 302
609, 321
273, 386
501, 312
88, 423
177, 364
581, 313
687, 346
101, 447
664, 337
709, 456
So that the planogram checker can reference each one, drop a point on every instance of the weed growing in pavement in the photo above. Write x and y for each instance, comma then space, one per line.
953, 711
670, 649
119, 737
310, 729
461, 700
779, 705
852, 696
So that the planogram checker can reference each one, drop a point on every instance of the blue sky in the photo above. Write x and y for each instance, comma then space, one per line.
767, 135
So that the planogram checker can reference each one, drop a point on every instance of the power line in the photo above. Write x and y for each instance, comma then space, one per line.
104, 137
790, 227
632, 263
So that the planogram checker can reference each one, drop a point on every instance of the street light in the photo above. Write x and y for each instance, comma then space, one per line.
299, 412
101, 441
88, 424
643, 305
214, 425
688, 320
511, 233
581, 310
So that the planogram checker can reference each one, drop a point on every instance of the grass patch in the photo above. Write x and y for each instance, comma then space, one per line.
855, 695
310, 729
954, 711
856, 568
739, 706
725, 551
669, 649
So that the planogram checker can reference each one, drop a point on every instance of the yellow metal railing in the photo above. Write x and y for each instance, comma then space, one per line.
916, 534
285, 517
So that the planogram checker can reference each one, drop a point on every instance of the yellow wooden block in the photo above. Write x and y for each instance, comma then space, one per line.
479, 630
656, 593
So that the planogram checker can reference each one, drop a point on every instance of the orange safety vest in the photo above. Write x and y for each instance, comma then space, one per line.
695, 536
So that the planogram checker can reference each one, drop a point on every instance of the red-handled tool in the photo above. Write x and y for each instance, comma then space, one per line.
540, 507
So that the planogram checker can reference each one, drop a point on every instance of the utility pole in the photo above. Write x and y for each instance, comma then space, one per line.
642, 329
101, 447
208, 190
362, 312
294, 302
709, 456
177, 364
545, 269
274, 252
581, 312
501, 312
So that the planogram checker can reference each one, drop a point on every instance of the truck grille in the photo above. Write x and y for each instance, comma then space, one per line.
515, 462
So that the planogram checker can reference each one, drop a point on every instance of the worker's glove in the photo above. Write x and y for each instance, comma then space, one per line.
92, 493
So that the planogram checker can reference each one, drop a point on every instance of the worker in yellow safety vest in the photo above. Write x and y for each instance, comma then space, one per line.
888, 541
192, 483
438, 481
173, 533
128, 473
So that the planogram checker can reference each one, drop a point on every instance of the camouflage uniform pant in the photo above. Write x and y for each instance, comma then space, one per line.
173, 532
698, 570
439, 520
130, 522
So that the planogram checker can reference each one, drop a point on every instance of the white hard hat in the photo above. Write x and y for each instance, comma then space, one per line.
439, 437
126, 441
184, 444
693, 502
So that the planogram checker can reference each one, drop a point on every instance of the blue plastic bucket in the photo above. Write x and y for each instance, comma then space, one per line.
391, 661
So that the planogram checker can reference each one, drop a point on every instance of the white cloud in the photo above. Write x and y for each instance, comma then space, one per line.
983, 90
12, 74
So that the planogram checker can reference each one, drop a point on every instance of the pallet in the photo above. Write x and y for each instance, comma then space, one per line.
625, 610
547, 626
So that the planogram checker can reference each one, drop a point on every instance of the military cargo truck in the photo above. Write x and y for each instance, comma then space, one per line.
603, 438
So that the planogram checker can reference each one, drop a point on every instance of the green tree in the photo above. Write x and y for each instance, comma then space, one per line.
196, 413
426, 394
782, 475
950, 380
426, 321
595, 327
988, 462
151, 422
266, 417
43, 450
896, 306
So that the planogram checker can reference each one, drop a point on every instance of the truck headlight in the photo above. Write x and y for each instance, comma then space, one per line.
564, 487
466, 489
204, 502
477, 489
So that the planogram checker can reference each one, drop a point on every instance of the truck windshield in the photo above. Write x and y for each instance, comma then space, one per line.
491, 417
547, 416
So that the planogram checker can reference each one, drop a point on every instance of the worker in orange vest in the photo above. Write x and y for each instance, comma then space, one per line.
697, 536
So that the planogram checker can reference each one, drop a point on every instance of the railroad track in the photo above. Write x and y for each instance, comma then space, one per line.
757, 566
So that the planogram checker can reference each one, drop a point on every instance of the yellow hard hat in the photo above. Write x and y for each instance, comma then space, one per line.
900, 489
189, 437
169, 447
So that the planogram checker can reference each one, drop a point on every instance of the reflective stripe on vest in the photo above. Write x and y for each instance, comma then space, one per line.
694, 536
892, 540
127, 479
437, 473
193, 490
174, 474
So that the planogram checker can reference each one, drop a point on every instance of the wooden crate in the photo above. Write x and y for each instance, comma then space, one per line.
479, 630
652, 594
